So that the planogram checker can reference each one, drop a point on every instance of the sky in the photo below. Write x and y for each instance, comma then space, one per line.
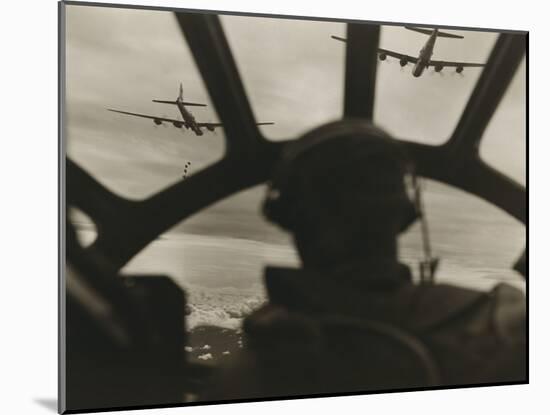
293, 74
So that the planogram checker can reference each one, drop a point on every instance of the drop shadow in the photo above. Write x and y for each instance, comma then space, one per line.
48, 403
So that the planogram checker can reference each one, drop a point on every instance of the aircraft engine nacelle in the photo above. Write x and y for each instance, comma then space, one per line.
157, 121
382, 56
210, 128
403, 62
438, 68
459, 69
177, 124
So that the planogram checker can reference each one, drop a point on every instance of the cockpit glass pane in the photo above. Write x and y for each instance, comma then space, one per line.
504, 144
477, 243
218, 257
291, 69
123, 59
426, 109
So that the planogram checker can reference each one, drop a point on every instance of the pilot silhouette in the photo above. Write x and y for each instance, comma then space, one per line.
351, 319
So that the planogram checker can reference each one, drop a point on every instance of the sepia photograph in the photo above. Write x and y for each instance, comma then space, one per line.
260, 207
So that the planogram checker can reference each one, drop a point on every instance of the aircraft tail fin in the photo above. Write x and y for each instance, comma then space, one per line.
430, 31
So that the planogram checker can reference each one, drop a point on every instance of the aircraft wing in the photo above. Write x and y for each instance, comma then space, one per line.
456, 64
410, 59
211, 125
341, 39
151, 117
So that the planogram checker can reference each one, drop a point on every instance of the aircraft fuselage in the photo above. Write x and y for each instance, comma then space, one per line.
425, 55
188, 118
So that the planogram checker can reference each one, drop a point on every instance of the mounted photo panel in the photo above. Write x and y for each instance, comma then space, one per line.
278, 207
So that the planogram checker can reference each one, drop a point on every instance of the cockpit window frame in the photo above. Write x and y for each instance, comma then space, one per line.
125, 227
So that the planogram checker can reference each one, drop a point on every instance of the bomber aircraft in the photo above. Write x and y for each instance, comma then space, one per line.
188, 121
424, 59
